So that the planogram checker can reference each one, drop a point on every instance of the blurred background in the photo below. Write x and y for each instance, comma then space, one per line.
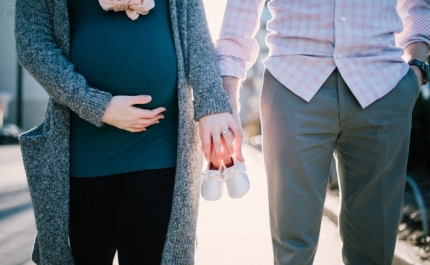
23, 103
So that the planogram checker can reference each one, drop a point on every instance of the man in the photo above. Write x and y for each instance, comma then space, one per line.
335, 82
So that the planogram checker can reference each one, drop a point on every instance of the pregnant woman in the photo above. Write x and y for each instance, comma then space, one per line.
115, 165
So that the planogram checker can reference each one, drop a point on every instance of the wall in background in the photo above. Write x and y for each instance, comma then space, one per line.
34, 98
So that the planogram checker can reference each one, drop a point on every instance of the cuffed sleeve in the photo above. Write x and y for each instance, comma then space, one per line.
229, 66
94, 105
237, 48
236, 55
415, 15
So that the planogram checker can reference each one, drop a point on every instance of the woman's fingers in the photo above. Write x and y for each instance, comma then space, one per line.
217, 145
228, 138
151, 121
140, 113
214, 160
123, 113
226, 157
144, 123
206, 144
137, 100
221, 127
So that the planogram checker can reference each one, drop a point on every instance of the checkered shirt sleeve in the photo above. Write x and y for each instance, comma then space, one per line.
237, 49
415, 15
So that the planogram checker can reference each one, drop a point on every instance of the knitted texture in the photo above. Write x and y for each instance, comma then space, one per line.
43, 46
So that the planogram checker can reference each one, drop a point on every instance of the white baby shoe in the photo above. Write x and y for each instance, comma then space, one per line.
236, 179
212, 183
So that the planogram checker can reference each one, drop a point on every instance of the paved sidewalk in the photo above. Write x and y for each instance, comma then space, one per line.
236, 231
17, 225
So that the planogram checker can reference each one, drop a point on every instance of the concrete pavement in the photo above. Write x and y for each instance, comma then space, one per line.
236, 231
17, 225
229, 231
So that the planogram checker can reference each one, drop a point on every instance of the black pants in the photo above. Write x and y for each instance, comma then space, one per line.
126, 212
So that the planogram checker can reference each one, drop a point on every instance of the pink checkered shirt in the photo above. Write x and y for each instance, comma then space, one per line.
309, 38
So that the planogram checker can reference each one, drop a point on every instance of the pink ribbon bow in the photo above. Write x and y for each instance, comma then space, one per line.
133, 8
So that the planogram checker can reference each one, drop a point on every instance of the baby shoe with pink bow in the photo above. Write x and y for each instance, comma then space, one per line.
236, 179
212, 183
234, 176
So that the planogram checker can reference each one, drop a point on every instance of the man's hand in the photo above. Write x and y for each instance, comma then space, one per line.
231, 86
121, 113
222, 133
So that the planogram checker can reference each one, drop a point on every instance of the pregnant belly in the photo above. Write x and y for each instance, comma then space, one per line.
147, 67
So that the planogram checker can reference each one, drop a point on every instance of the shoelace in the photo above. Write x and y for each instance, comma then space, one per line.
212, 174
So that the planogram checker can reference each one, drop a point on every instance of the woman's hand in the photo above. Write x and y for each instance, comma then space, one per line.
121, 113
221, 137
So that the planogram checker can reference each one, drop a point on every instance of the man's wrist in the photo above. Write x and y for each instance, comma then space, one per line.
418, 51
421, 69
231, 86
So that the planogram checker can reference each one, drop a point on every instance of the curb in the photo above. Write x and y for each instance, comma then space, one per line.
405, 254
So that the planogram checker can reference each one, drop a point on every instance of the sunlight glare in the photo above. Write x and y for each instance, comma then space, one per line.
214, 12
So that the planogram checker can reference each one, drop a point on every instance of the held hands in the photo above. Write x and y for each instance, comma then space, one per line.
222, 133
223, 168
222, 137
121, 113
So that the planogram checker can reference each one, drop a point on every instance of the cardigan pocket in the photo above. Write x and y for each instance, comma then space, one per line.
49, 191
33, 145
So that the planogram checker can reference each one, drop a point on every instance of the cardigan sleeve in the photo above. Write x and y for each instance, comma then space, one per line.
40, 54
203, 71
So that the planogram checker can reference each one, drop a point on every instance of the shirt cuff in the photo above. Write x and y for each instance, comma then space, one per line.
229, 66
416, 29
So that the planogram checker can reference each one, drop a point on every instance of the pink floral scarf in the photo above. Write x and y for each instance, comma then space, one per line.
133, 8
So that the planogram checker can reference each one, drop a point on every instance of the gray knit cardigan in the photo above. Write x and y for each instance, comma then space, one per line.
43, 45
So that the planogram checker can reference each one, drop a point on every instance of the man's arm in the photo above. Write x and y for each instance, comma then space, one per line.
231, 85
415, 37
237, 51
236, 47
418, 51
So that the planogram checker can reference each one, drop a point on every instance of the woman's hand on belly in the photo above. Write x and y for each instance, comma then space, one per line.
121, 113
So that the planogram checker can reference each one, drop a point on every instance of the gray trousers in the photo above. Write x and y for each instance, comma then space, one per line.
371, 149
